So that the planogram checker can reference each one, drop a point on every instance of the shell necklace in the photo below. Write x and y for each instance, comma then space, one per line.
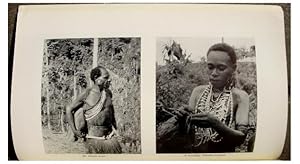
220, 107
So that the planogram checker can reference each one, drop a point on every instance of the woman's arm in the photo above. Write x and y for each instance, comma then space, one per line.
186, 110
238, 134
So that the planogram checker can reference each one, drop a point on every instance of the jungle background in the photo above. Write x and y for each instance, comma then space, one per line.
178, 75
66, 68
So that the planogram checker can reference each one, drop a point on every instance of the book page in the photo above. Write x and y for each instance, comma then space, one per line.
55, 54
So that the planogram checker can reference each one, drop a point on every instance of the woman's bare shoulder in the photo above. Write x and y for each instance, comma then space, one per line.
239, 94
199, 89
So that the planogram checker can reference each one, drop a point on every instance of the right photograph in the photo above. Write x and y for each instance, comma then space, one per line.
206, 94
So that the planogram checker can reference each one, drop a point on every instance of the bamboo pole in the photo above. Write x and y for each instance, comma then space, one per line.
95, 56
95, 52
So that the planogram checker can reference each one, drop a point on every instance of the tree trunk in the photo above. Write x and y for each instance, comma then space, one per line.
167, 129
80, 89
48, 109
95, 57
112, 51
170, 132
62, 116
126, 95
62, 110
95, 53
112, 56
54, 116
74, 87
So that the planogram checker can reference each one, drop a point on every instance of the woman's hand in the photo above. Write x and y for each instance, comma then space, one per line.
204, 120
183, 111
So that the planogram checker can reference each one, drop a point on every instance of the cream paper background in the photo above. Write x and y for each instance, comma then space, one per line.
149, 21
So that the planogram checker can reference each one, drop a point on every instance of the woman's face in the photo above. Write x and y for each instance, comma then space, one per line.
220, 68
103, 81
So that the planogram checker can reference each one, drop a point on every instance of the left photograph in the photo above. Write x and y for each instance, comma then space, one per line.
90, 96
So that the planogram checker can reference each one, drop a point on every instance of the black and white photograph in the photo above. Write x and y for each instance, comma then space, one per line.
90, 97
206, 94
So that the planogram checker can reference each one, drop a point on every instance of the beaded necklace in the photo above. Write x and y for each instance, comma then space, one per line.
93, 111
220, 107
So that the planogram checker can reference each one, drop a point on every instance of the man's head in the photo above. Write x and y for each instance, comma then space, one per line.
221, 62
100, 76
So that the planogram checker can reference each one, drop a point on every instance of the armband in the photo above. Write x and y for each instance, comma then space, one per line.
242, 128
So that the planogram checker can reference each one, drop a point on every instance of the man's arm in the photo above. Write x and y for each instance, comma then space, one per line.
114, 123
73, 107
110, 105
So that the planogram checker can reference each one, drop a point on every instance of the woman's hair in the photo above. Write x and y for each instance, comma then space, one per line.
96, 72
224, 48
231, 53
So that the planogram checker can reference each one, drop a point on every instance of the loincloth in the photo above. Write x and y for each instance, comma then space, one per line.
103, 146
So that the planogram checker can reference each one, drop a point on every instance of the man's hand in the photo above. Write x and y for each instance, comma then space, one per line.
78, 133
110, 135
113, 133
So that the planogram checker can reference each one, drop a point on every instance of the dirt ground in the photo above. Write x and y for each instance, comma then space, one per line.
57, 143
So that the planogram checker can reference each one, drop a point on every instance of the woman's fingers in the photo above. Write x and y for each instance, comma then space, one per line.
200, 122
199, 119
207, 117
193, 118
200, 115
178, 113
184, 110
